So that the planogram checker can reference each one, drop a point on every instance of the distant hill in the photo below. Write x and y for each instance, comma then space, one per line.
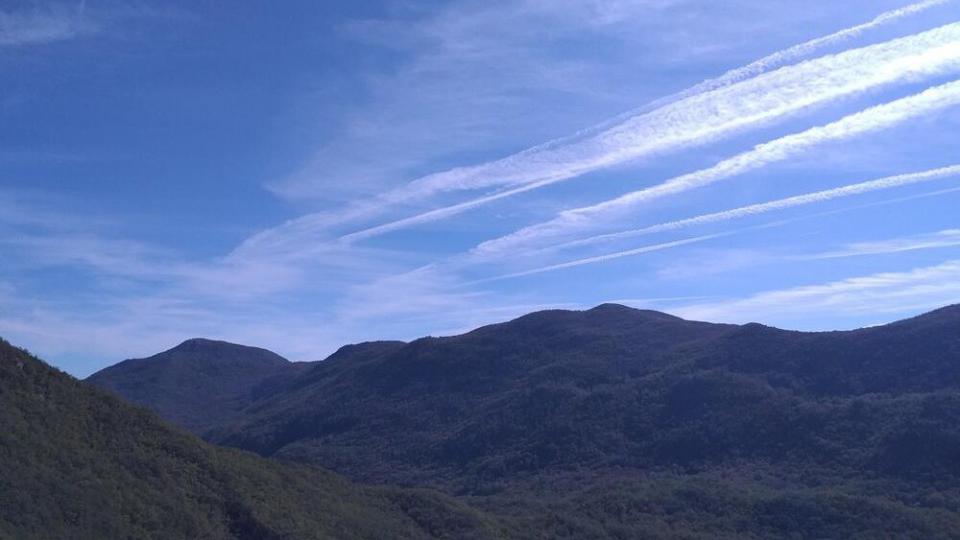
75, 462
200, 383
622, 423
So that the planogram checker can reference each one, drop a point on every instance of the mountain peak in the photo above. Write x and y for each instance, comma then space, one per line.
611, 307
620, 309
198, 341
206, 346
199, 381
193, 344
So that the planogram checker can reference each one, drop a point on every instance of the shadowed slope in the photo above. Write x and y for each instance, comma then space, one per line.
75, 462
621, 423
199, 383
616, 387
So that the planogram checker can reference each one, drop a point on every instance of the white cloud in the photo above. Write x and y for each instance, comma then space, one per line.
771, 206
703, 116
589, 217
799, 51
609, 256
38, 25
940, 239
696, 120
876, 294
733, 259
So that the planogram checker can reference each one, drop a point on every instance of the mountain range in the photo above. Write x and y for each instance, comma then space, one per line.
609, 423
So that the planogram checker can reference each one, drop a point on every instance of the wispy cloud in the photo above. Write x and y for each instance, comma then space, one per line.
129, 297
399, 305
872, 119
223, 279
772, 206
110, 328
470, 73
704, 263
38, 24
941, 239
875, 294
694, 120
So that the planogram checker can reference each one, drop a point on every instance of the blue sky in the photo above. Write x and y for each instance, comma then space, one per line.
304, 175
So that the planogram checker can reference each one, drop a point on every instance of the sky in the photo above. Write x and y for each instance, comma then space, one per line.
304, 175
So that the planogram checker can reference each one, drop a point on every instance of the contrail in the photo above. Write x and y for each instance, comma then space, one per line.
440, 213
757, 67
504, 171
793, 53
780, 204
869, 120
696, 239
684, 119
607, 257
702, 118
939, 239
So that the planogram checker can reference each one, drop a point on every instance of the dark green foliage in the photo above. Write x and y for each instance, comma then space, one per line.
75, 462
731, 503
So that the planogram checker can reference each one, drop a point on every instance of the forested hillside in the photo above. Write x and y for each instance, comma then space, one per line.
76, 462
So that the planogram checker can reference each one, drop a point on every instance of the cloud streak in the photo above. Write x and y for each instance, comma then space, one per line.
608, 257
695, 120
797, 52
944, 240
870, 120
706, 115
772, 206
36, 26
888, 292
940, 239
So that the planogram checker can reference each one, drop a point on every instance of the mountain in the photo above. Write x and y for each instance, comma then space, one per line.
623, 423
75, 462
616, 387
475, 406
199, 383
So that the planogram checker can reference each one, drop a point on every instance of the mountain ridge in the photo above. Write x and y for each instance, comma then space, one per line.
559, 418
566, 356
